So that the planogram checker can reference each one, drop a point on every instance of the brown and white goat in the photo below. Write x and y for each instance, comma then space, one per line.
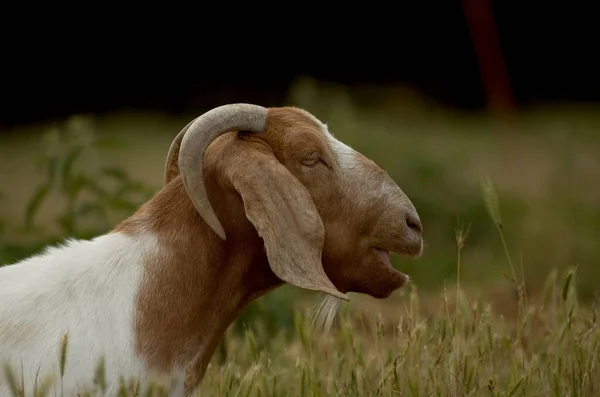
253, 198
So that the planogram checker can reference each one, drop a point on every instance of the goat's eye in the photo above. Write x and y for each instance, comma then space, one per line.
311, 159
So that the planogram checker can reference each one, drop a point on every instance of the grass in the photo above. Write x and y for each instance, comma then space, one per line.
551, 349
503, 302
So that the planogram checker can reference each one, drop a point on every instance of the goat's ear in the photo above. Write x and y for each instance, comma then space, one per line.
285, 217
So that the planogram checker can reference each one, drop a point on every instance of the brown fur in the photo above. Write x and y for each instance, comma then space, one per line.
285, 183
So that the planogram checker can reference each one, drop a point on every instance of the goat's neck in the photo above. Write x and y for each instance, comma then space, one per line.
194, 284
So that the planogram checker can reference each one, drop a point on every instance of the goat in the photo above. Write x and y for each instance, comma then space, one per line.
253, 198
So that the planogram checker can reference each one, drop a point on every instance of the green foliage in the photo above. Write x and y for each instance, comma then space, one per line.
92, 199
94, 194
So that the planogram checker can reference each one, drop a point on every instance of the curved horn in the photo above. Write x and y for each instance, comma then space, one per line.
172, 165
196, 137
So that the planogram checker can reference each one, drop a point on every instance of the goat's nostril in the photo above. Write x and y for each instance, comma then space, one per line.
414, 223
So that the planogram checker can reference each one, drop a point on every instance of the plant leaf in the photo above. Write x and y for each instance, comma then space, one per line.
35, 203
116, 173
69, 162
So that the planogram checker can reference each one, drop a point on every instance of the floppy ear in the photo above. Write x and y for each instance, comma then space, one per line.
285, 217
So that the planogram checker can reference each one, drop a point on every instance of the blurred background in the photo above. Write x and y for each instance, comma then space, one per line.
439, 94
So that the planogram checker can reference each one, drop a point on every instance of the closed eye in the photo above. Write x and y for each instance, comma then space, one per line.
311, 160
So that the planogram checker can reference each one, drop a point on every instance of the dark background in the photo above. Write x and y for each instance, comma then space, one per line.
192, 61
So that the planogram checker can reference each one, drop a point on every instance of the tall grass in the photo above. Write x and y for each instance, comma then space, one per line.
552, 349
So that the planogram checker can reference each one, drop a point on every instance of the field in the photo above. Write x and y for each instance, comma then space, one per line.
503, 301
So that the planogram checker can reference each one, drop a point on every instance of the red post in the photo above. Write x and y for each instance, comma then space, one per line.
492, 67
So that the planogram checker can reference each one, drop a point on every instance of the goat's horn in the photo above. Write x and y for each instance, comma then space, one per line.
200, 133
172, 163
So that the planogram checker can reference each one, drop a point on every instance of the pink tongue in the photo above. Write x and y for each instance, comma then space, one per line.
385, 257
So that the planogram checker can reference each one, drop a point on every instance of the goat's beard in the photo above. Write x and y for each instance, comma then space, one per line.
324, 312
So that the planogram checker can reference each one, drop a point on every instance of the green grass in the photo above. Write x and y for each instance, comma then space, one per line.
507, 299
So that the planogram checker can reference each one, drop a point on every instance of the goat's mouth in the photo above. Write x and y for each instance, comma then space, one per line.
384, 259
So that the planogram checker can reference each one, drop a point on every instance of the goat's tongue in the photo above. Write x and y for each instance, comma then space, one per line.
385, 257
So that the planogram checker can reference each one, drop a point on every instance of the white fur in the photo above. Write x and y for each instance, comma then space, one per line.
324, 312
346, 157
85, 288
